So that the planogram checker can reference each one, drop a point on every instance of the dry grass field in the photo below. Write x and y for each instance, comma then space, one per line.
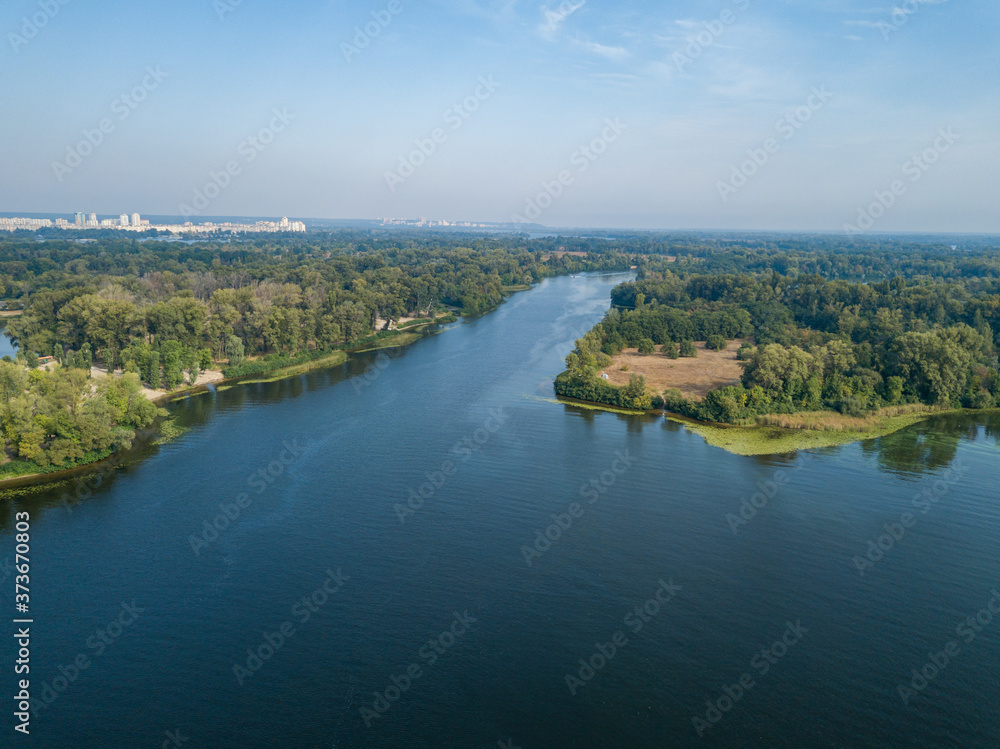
693, 377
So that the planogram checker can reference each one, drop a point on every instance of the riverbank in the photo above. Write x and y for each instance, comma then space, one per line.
217, 379
771, 439
765, 439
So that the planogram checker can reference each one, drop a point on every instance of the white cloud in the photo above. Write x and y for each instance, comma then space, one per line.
611, 53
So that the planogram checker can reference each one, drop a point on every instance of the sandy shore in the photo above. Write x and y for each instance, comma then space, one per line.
205, 378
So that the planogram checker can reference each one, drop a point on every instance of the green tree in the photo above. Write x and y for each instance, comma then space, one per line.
716, 343
937, 363
153, 376
634, 394
688, 350
234, 350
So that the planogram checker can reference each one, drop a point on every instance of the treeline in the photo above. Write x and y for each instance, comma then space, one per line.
162, 312
787, 309
166, 311
820, 344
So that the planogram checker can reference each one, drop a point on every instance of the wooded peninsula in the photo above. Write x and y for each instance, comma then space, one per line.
837, 339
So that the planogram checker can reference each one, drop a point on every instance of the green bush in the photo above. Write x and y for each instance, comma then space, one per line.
716, 343
669, 350
633, 395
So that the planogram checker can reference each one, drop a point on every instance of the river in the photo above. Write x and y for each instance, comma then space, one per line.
342, 581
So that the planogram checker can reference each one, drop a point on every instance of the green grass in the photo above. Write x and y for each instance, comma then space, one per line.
399, 340
592, 406
769, 440
411, 323
330, 360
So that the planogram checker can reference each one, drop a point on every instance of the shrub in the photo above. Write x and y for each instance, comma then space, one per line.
716, 343
688, 350
853, 405
669, 350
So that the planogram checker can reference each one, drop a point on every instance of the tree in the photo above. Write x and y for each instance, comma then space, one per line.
716, 343
634, 394
13, 381
646, 346
85, 357
780, 371
894, 390
669, 350
688, 350
234, 350
153, 376
937, 363
674, 400
171, 354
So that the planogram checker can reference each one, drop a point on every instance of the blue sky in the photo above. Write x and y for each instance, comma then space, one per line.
730, 113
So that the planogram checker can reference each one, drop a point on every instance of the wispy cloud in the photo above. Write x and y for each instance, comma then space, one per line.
611, 53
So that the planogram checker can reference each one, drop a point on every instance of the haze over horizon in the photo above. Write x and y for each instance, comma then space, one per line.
700, 114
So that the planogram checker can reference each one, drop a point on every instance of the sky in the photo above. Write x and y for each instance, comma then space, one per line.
831, 115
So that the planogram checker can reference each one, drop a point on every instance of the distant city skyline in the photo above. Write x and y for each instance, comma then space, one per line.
837, 116
135, 222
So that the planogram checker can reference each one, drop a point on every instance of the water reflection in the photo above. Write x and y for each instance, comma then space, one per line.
923, 448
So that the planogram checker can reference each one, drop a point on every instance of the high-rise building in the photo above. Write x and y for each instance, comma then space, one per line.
124, 219
92, 220
136, 220
79, 218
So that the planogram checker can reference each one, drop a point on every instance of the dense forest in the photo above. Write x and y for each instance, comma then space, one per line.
844, 324
818, 344
125, 302
161, 312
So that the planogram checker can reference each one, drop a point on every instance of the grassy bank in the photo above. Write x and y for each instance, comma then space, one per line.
19, 472
592, 406
282, 365
397, 340
814, 429
785, 433
327, 359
